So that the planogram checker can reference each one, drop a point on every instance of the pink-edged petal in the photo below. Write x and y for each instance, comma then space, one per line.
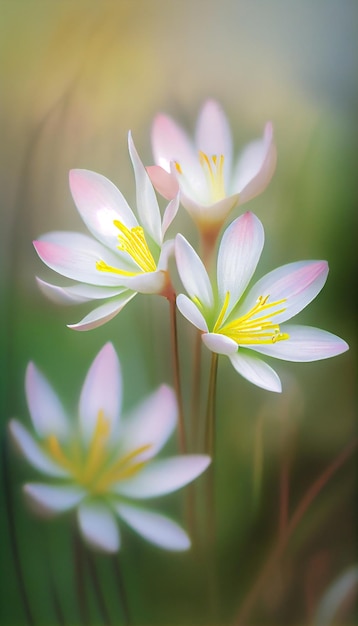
46, 410
255, 167
164, 182
101, 391
191, 312
213, 134
146, 282
170, 213
147, 204
74, 256
98, 526
171, 143
53, 499
192, 272
240, 250
99, 203
304, 344
161, 477
155, 528
33, 453
256, 371
205, 214
166, 252
298, 283
78, 293
219, 343
104, 313
151, 423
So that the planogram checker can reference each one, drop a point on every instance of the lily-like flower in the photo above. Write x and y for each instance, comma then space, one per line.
244, 325
210, 183
123, 258
102, 464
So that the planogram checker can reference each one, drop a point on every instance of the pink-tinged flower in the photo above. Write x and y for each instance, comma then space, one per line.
245, 325
210, 182
122, 258
102, 464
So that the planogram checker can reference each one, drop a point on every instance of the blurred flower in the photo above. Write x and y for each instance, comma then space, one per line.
123, 259
99, 465
210, 183
239, 325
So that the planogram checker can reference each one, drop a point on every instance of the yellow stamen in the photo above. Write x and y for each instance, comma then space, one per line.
214, 171
251, 330
132, 241
178, 168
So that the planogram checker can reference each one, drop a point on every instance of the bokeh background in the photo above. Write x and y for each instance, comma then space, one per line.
75, 77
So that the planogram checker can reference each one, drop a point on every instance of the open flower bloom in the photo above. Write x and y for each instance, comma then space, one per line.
247, 324
102, 464
122, 258
210, 182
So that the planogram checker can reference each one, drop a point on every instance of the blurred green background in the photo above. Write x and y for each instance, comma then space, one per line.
75, 77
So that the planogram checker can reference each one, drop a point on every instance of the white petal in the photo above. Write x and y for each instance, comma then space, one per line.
170, 213
101, 391
147, 204
171, 143
98, 526
161, 477
99, 203
206, 214
77, 293
192, 272
164, 182
191, 312
46, 410
256, 371
219, 343
166, 253
75, 256
146, 282
54, 499
157, 529
103, 313
150, 423
298, 283
213, 135
240, 249
304, 344
33, 453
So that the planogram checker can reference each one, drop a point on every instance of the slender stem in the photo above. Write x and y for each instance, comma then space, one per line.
9, 505
210, 413
257, 461
79, 578
122, 591
284, 493
307, 499
98, 591
195, 399
176, 371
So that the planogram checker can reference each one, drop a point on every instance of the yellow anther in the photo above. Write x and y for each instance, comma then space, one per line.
178, 168
132, 241
214, 172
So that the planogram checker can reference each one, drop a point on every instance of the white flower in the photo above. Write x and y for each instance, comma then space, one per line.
102, 464
123, 258
246, 325
211, 184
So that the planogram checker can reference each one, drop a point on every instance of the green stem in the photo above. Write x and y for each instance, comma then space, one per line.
195, 399
97, 588
79, 578
176, 371
276, 553
210, 412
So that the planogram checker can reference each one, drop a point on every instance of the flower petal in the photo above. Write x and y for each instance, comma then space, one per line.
54, 499
103, 313
164, 182
298, 283
77, 293
101, 391
98, 526
150, 423
146, 282
46, 410
213, 134
205, 214
192, 272
156, 528
170, 213
32, 452
256, 371
171, 143
255, 167
161, 477
240, 249
147, 204
99, 203
304, 344
191, 312
219, 343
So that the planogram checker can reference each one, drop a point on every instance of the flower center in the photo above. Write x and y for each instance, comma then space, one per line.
132, 241
213, 168
256, 326
94, 467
